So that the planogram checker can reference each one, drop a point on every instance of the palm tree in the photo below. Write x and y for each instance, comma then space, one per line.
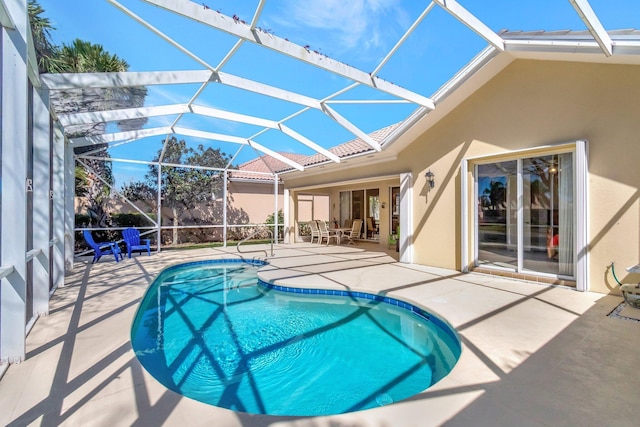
85, 57
496, 193
41, 31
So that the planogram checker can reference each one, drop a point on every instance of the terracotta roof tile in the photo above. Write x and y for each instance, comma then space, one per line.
349, 148
265, 164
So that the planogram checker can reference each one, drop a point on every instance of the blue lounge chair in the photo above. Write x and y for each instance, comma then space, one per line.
102, 248
132, 239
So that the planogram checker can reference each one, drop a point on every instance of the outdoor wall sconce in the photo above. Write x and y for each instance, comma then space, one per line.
430, 178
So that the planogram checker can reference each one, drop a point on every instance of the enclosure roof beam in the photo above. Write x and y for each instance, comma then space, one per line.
5, 17
300, 138
220, 114
473, 23
592, 22
124, 79
73, 119
119, 136
228, 25
127, 79
351, 127
209, 135
275, 155
160, 34
234, 117
404, 37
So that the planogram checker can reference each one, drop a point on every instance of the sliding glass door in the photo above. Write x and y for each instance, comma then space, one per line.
525, 219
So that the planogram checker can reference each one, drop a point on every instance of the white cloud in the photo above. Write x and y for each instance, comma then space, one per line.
345, 25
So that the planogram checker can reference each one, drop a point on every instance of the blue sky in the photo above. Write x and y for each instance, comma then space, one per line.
356, 32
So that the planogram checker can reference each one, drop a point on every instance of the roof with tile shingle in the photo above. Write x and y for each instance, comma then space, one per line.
264, 164
350, 148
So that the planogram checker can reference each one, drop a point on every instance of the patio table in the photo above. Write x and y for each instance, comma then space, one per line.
339, 231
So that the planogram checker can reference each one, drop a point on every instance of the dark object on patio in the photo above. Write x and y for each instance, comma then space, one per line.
102, 248
132, 239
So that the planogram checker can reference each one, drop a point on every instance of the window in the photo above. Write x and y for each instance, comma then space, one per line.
525, 215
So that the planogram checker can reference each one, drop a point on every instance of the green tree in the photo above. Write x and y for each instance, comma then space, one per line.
84, 57
497, 194
271, 221
182, 187
41, 31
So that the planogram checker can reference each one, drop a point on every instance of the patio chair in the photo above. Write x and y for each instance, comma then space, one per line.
370, 228
315, 231
354, 233
325, 233
102, 248
132, 239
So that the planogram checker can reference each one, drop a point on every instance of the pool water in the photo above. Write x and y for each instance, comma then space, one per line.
210, 332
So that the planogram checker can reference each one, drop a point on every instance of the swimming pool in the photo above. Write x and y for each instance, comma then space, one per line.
211, 332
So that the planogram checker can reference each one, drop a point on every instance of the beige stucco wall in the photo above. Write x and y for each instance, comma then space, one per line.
528, 105
256, 199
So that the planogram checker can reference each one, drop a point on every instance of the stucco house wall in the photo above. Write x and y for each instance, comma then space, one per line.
527, 105
255, 198
530, 104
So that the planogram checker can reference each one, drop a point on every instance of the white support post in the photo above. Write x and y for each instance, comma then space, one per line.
285, 213
275, 207
69, 208
582, 215
41, 197
406, 217
224, 209
159, 202
58, 207
13, 128
464, 216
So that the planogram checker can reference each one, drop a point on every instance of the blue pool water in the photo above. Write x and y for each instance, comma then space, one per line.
211, 332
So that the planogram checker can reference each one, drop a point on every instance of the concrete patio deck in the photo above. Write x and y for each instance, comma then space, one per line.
533, 355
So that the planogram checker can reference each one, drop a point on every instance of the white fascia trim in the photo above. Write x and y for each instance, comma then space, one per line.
124, 79
473, 23
626, 48
589, 17
552, 46
479, 61
302, 139
350, 127
453, 84
228, 25
119, 136
122, 114
275, 155
263, 181
366, 101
